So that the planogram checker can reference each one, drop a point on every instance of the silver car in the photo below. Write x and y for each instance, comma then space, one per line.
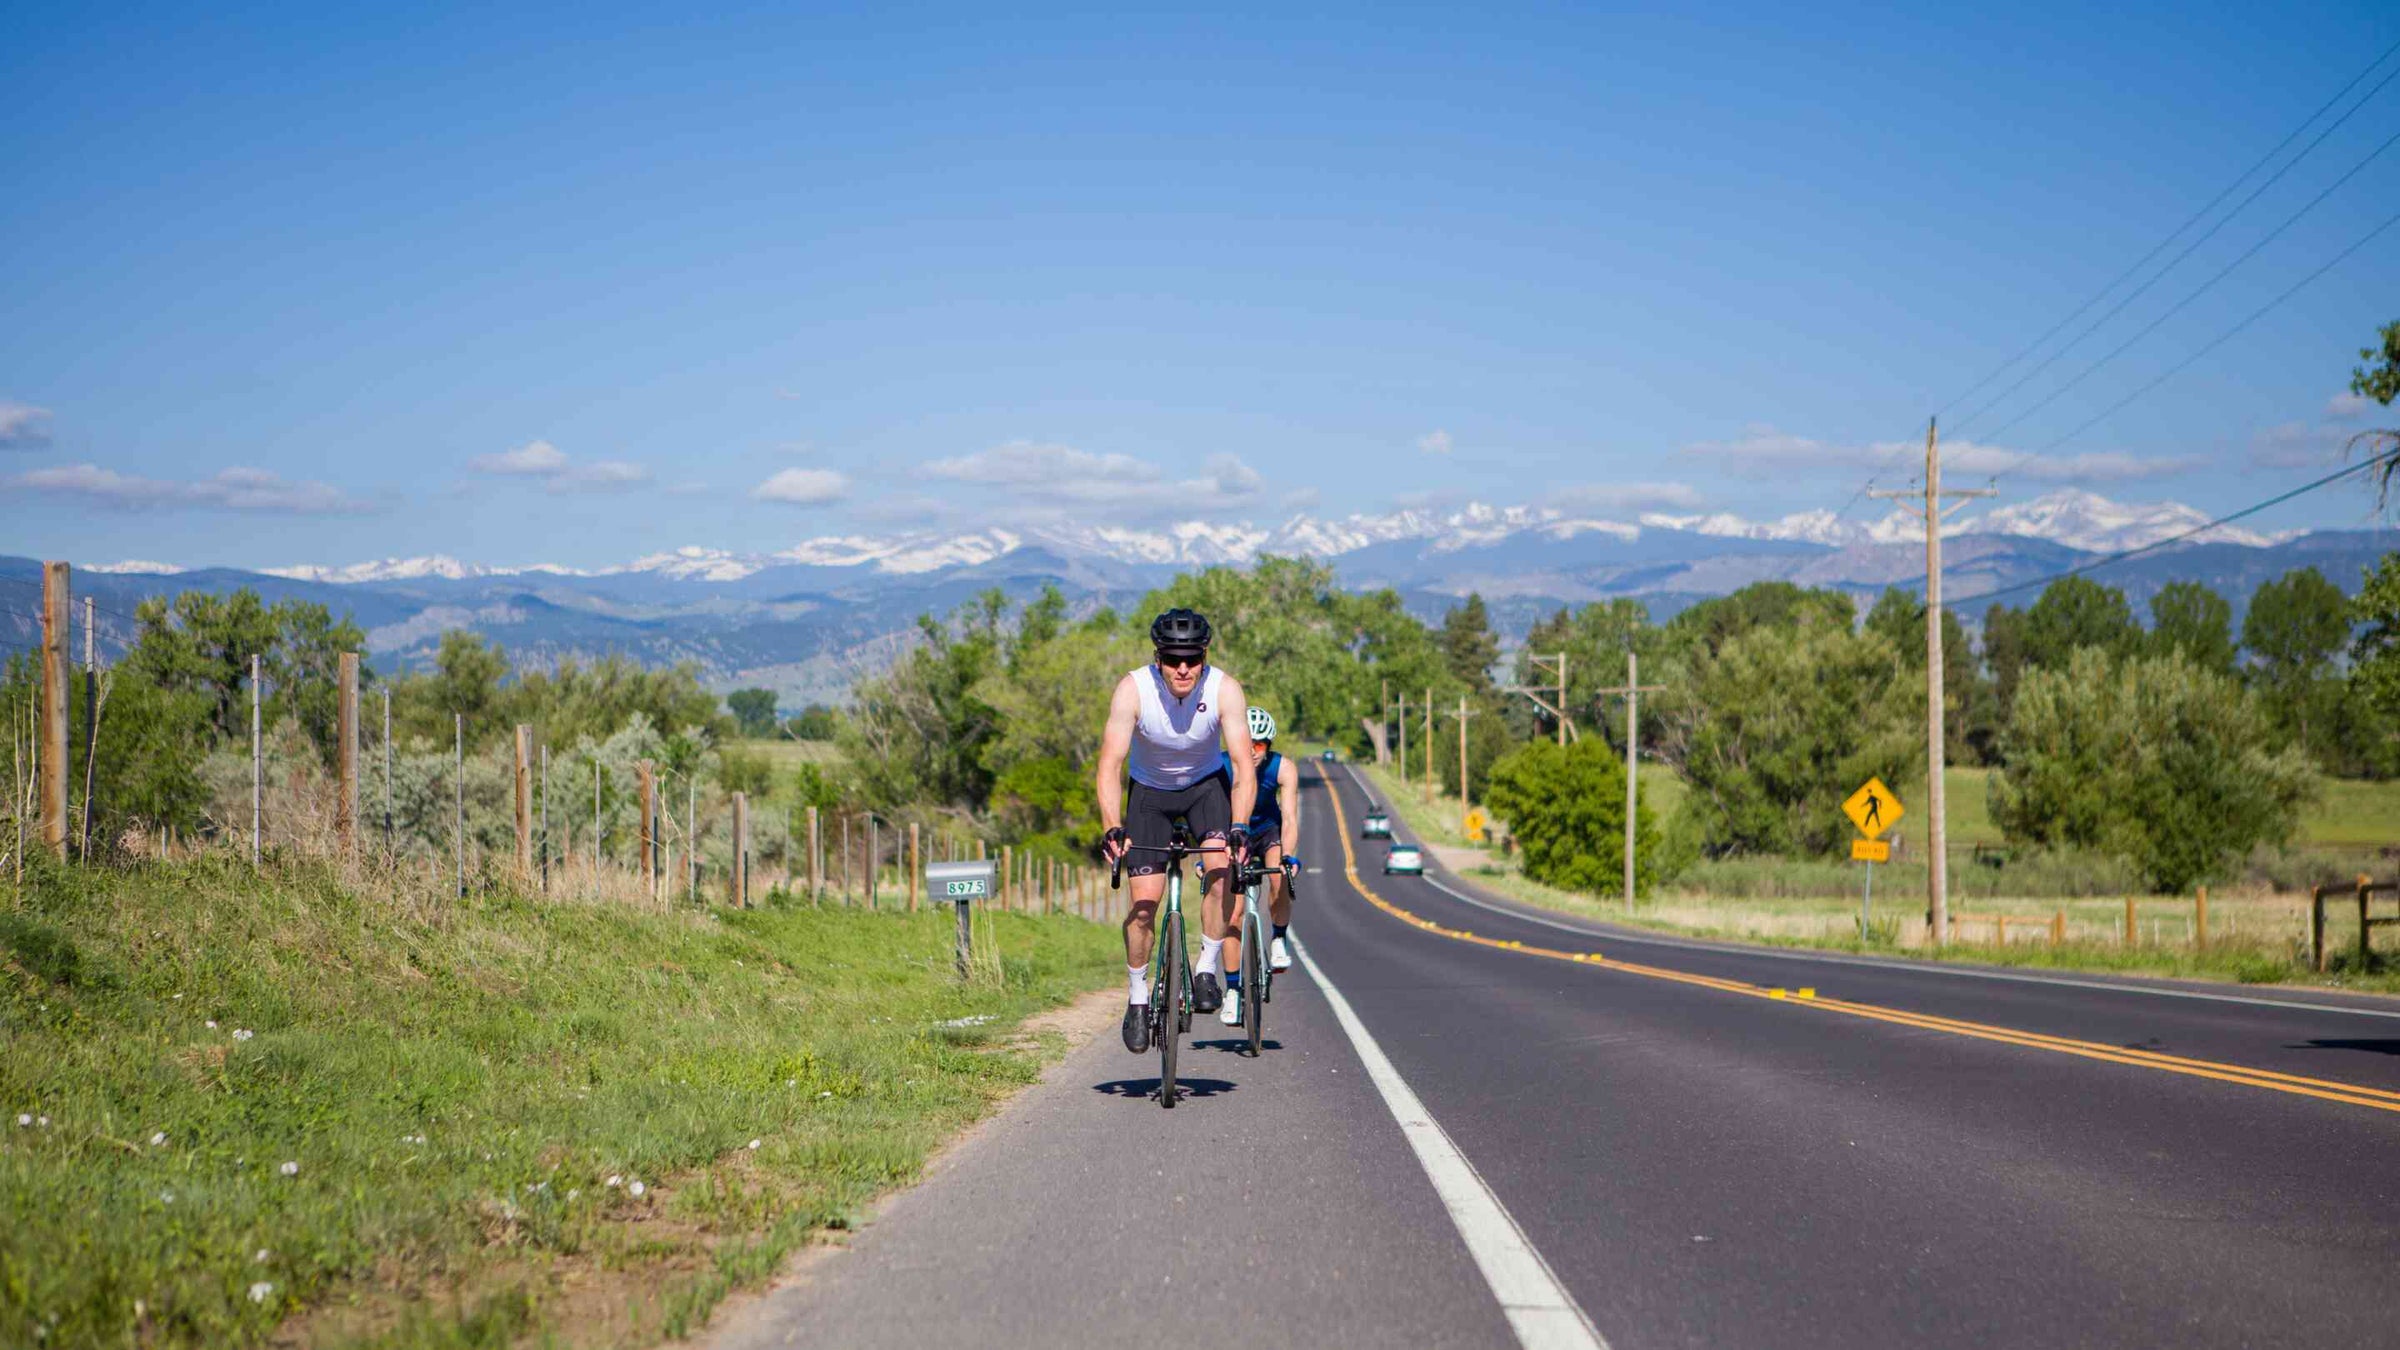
1377, 825
1404, 860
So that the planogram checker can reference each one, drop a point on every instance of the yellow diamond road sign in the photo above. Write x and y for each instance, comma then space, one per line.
1477, 823
1873, 808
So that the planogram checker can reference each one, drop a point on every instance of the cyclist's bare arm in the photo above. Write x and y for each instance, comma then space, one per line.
1287, 797
1237, 748
1116, 742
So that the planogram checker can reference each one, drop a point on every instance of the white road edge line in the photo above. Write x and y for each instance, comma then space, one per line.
1538, 1307
1905, 967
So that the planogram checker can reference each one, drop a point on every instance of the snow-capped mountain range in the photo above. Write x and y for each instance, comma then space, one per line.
2076, 519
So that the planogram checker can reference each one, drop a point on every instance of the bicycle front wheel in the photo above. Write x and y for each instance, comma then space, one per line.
1254, 1007
1170, 1022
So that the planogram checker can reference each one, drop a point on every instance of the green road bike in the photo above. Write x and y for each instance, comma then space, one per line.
1170, 964
1258, 930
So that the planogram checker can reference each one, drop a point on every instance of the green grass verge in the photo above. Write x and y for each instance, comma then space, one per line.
403, 1125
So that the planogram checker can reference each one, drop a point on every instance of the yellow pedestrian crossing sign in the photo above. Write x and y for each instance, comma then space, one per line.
1873, 808
1477, 823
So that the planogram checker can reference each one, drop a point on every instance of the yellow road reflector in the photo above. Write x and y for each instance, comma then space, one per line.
1807, 992
1774, 993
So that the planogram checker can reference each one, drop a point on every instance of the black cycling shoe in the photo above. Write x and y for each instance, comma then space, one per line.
1137, 1027
1207, 997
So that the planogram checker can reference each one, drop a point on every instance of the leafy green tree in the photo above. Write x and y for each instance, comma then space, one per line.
2379, 379
465, 682
1565, 806
2004, 666
811, 786
1783, 724
816, 722
2375, 654
2074, 612
1469, 646
2296, 625
918, 733
1710, 624
747, 771
1595, 639
2169, 766
199, 643
753, 711
2188, 617
1898, 615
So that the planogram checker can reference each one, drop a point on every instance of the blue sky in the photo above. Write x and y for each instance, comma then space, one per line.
580, 284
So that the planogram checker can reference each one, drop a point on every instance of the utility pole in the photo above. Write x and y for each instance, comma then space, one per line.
1404, 738
53, 747
1558, 711
91, 719
1382, 754
1633, 689
1463, 714
1931, 511
1429, 743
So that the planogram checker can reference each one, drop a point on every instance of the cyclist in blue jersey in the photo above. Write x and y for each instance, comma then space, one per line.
1274, 816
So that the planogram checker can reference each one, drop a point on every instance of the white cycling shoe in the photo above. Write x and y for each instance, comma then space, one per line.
1279, 956
1231, 1013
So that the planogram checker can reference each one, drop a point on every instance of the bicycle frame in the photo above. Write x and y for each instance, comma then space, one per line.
1160, 955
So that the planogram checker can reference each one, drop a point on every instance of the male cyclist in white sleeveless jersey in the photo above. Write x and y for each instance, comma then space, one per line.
1188, 762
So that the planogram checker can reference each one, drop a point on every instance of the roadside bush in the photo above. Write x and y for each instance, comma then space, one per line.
1565, 806
2155, 760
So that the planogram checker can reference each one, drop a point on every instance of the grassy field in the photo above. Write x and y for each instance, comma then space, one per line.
2256, 933
241, 1108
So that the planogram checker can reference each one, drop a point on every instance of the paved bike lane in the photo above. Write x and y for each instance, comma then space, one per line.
1278, 1202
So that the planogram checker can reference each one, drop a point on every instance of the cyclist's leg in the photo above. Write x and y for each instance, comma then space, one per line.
1209, 809
1148, 823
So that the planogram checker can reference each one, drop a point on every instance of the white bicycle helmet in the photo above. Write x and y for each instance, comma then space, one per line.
1262, 724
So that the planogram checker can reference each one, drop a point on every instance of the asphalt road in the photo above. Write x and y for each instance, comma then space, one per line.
1692, 1151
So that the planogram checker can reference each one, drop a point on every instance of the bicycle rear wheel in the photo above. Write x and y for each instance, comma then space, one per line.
1254, 1006
1170, 1022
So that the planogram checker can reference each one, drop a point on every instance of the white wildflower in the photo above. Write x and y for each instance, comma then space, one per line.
158, 1138
574, 1193
823, 1095
635, 1189
43, 1121
262, 1255
25, 1118
166, 1197
212, 1024
754, 1145
290, 1169
260, 1290
241, 1033
616, 1181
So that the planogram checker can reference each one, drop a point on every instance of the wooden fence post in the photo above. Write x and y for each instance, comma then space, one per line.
2133, 935
915, 851
52, 752
2058, 929
345, 737
524, 784
645, 778
2200, 919
737, 878
1008, 859
816, 863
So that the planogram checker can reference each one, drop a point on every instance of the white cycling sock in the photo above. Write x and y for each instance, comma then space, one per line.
1212, 956
1137, 985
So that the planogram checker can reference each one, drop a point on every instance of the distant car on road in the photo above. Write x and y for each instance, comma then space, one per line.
1404, 860
1329, 757
1377, 825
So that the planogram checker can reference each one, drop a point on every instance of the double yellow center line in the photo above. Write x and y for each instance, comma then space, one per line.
2349, 1094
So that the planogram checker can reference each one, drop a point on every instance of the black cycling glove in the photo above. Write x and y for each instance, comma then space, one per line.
1237, 842
1115, 839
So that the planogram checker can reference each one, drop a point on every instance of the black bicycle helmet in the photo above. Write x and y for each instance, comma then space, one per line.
1179, 629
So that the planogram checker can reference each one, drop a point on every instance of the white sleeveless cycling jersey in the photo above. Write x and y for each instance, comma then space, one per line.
1175, 741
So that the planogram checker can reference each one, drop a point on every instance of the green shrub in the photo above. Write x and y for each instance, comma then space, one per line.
1565, 806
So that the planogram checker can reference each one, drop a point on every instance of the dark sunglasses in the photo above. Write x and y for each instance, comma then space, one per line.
1182, 660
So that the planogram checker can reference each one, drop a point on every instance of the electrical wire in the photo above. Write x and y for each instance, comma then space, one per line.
2177, 308
2189, 249
2161, 246
2178, 537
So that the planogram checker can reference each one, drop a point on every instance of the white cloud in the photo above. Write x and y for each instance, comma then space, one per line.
2297, 445
23, 426
1435, 442
235, 489
1625, 497
803, 487
534, 459
1063, 476
2346, 406
558, 472
1764, 452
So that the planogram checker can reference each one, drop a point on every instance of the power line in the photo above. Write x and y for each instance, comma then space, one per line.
2178, 306
2137, 292
2161, 246
2277, 500
2222, 338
